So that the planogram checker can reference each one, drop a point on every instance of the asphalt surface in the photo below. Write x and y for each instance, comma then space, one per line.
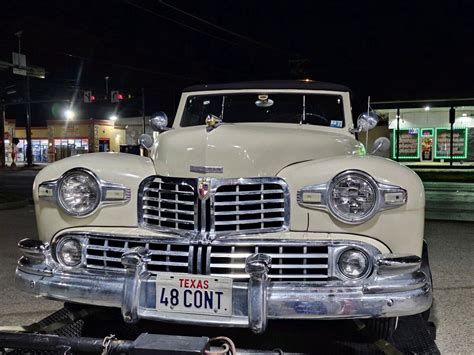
451, 249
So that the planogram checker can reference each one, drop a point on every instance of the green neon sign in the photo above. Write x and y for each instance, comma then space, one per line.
427, 132
442, 151
410, 146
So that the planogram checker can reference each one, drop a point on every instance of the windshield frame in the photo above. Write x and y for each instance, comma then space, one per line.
347, 121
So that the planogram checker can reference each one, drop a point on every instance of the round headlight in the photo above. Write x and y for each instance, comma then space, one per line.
79, 192
353, 263
69, 252
353, 197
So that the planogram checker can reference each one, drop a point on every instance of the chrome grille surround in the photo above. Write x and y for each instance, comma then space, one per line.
233, 206
292, 260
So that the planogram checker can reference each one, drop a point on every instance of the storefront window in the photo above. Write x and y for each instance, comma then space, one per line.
68, 147
39, 150
425, 135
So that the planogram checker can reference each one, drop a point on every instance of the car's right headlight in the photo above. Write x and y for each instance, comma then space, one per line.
79, 192
352, 196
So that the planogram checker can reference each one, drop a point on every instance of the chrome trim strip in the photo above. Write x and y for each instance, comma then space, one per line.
206, 169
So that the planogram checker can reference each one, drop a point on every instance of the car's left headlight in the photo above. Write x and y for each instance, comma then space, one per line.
352, 196
79, 192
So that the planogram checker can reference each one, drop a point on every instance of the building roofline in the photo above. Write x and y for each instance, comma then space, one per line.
270, 84
454, 102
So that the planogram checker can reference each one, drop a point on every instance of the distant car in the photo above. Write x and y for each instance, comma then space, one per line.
258, 204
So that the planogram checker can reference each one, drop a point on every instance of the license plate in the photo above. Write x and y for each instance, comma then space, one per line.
184, 293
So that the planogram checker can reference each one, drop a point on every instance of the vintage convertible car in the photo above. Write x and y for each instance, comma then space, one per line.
258, 204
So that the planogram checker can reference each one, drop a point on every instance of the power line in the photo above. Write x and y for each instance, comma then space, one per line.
182, 24
126, 66
241, 36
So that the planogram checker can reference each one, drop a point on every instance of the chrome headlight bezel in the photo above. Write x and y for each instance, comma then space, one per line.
367, 269
60, 258
318, 196
98, 191
352, 219
108, 193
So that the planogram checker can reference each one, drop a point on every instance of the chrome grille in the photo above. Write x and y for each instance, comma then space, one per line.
233, 206
290, 261
247, 207
169, 204
105, 253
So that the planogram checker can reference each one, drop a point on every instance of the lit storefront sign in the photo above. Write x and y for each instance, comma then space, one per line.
437, 138
443, 143
409, 147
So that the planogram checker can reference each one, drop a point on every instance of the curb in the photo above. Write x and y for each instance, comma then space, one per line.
13, 205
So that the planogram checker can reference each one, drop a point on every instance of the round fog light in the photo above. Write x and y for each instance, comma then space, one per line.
69, 252
353, 263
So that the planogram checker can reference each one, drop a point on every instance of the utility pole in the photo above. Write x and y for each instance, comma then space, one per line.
143, 109
20, 68
107, 88
2, 140
29, 148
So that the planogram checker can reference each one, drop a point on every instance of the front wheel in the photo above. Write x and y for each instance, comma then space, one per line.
381, 328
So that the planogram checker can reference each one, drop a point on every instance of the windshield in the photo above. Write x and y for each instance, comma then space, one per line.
315, 109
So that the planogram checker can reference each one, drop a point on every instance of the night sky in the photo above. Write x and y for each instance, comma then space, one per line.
389, 50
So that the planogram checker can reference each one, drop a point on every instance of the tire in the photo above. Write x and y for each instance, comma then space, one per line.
381, 328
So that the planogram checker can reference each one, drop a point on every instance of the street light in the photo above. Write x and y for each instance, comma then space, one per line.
113, 118
69, 114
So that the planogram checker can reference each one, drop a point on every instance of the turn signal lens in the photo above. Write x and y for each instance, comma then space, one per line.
353, 263
69, 252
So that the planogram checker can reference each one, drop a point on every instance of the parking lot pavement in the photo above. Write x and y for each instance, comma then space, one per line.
18, 308
451, 249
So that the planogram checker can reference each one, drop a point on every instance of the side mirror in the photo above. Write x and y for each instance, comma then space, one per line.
145, 141
366, 121
159, 122
381, 144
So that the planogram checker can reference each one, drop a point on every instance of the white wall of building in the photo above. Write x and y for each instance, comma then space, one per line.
434, 117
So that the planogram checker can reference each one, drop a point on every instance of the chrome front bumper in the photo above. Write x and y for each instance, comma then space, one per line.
400, 285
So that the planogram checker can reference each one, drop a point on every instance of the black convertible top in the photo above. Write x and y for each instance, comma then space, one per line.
270, 84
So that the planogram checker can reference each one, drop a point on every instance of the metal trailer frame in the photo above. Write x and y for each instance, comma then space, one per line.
65, 332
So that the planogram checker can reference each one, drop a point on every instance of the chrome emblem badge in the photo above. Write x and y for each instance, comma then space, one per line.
204, 186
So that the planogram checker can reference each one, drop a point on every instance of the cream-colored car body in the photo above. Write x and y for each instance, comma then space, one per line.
243, 177
301, 154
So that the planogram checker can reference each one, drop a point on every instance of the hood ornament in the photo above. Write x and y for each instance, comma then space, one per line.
204, 187
212, 122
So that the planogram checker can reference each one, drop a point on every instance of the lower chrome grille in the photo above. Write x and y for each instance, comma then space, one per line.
106, 253
290, 261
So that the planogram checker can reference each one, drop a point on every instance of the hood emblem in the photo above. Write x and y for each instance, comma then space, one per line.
204, 187
206, 169
212, 122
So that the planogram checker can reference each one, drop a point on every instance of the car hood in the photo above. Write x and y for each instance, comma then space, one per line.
246, 149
